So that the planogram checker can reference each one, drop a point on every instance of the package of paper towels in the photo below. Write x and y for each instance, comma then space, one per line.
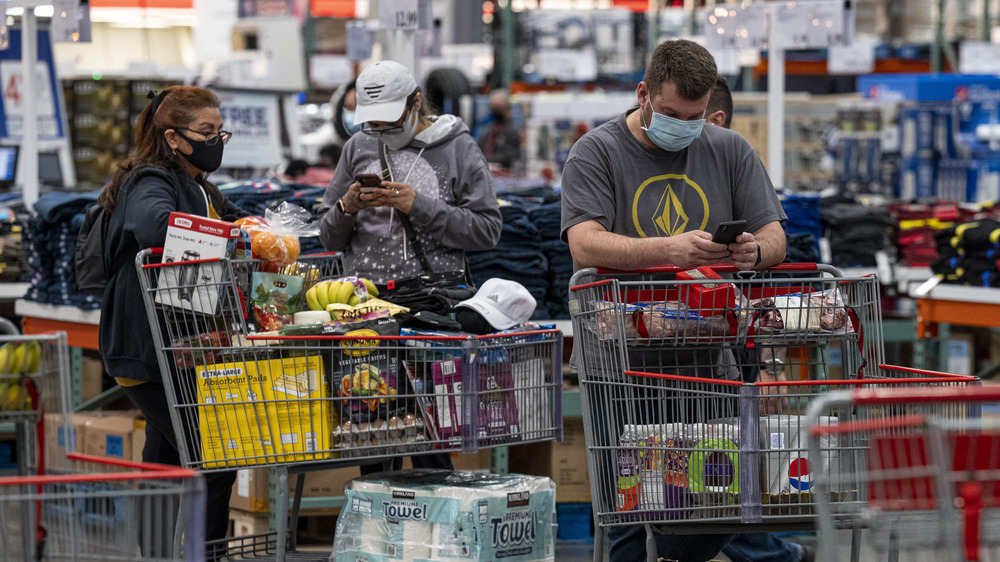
444, 516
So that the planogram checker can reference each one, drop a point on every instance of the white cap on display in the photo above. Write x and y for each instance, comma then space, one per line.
503, 303
381, 91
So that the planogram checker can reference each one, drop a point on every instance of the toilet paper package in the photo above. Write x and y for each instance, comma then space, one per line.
444, 516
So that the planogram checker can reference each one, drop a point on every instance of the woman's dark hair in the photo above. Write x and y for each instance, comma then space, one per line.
174, 107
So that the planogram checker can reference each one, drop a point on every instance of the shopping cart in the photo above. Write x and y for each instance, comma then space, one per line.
104, 510
34, 393
677, 438
243, 394
927, 464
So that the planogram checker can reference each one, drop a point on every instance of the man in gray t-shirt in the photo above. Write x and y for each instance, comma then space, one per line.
649, 188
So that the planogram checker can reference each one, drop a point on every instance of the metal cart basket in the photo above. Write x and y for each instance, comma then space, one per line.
104, 510
241, 396
927, 465
34, 393
694, 386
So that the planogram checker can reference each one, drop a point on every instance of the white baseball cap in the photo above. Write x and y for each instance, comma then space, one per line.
381, 91
503, 303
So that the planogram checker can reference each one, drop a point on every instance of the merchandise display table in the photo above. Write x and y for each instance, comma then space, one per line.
941, 305
80, 325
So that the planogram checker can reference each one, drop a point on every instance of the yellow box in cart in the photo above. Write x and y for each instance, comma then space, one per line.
279, 408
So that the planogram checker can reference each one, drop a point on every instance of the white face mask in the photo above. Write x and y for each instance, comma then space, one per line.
401, 138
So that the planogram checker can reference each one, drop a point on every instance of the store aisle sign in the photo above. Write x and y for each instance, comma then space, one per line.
255, 122
14, 102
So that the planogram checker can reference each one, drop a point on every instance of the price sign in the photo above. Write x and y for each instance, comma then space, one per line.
736, 26
856, 58
399, 14
978, 57
727, 61
567, 65
14, 102
813, 24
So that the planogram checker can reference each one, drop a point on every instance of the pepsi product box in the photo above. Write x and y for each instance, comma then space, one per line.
784, 443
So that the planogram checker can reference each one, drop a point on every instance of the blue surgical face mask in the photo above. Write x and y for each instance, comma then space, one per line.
347, 118
669, 133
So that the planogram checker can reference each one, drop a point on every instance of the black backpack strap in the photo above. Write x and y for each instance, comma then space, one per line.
411, 236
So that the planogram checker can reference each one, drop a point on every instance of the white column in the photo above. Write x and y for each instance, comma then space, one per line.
29, 124
775, 106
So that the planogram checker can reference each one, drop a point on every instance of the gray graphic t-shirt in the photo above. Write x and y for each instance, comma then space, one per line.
637, 191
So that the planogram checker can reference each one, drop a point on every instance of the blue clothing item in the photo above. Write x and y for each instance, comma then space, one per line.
628, 544
762, 547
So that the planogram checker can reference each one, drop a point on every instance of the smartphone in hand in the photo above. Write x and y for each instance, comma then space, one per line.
368, 180
727, 232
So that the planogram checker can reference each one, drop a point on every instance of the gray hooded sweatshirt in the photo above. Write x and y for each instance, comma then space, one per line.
455, 209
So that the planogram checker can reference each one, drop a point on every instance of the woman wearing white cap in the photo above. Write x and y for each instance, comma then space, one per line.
435, 183
434, 177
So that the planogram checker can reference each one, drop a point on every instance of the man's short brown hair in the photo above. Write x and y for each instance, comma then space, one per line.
685, 64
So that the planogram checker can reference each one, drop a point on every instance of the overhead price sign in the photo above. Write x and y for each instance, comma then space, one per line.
46, 100
399, 14
808, 24
856, 58
736, 26
813, 24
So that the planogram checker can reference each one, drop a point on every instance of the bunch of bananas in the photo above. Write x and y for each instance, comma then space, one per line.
17, 358
341, 291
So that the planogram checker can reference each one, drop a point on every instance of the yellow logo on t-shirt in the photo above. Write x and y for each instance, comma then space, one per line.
658, 206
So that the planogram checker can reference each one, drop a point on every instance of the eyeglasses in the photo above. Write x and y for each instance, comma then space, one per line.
387, 129
210, 138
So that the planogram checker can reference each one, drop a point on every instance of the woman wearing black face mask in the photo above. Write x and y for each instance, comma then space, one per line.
178, 140
501, 142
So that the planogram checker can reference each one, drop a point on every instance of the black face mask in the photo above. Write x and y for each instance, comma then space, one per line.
205, 158
499, 116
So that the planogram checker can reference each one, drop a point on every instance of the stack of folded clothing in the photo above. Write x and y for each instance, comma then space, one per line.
916, 225
968, 253
547, 217
518, 255
804, 225
51, 246
856, 231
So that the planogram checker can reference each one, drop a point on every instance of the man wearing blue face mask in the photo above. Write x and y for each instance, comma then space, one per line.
648, 188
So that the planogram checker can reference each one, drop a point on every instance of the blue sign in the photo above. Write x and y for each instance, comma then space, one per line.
47, 95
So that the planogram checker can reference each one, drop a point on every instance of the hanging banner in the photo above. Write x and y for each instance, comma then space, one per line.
255, 122
12, 91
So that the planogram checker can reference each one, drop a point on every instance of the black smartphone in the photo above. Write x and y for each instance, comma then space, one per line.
368, 180
728, 231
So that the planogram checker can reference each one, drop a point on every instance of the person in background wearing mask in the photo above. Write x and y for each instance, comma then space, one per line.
438, 179
648, 188
501, 142
179, 140
344, 101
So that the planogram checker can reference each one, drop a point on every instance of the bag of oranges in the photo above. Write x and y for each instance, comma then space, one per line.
275, 236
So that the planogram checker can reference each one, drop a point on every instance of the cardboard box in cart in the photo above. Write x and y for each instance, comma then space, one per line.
277, 407
191, 238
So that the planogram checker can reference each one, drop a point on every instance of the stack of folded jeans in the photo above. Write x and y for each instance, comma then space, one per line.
547, 218
51, 247
517, 256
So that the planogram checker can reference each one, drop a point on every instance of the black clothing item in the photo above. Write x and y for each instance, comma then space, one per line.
501, 144
433, 460
139, 221
161, 447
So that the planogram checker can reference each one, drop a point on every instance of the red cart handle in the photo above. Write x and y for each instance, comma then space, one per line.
721, 267
872, 396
